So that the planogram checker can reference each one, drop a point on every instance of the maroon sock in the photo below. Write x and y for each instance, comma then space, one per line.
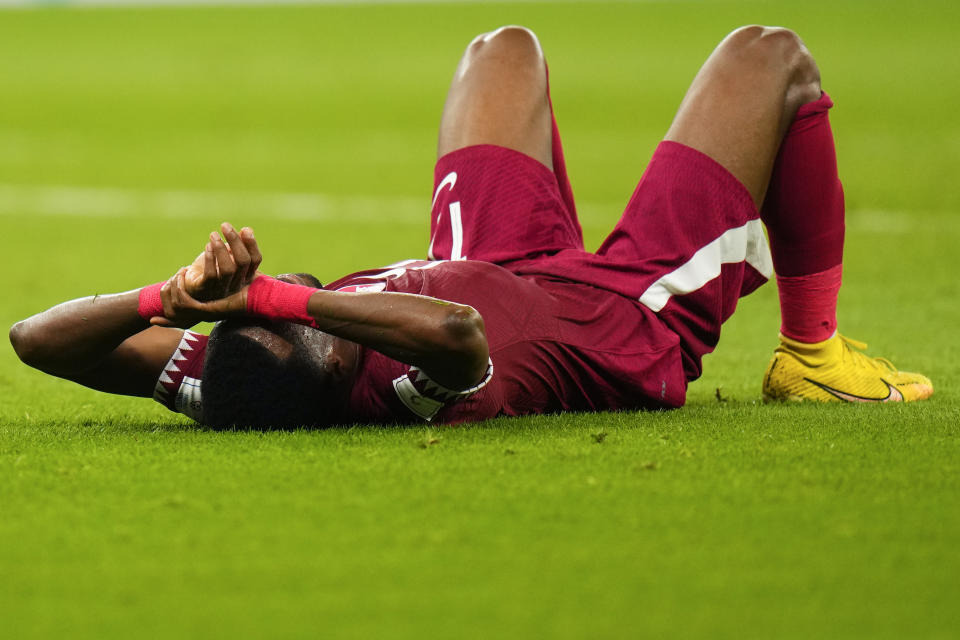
803, 212
808, 305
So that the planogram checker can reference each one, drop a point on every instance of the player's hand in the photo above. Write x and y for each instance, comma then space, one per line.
180, 309
224, 267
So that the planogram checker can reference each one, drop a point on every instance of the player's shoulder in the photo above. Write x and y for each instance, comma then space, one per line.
468, 268
412, 275
474, 276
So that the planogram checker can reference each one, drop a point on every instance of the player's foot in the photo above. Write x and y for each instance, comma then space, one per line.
836, 370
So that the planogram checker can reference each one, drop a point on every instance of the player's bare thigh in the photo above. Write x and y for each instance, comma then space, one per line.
499, 96
743, 99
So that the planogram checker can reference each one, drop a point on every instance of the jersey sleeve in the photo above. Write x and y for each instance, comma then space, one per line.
178, 387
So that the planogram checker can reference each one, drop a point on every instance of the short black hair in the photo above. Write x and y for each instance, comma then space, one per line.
246, 384
311, 279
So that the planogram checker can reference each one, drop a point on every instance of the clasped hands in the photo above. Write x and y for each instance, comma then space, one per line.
215, 285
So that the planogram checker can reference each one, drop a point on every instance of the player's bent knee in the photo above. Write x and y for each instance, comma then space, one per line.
517, 44
774, 47
775, 51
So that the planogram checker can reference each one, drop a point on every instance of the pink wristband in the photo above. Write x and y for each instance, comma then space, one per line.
277, 300
150, 304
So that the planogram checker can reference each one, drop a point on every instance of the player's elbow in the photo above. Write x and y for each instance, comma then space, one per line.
466, 338
25, 343
32, 345
464, 330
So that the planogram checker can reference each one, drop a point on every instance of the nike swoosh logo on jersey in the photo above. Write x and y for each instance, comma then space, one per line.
893, 394
449, 180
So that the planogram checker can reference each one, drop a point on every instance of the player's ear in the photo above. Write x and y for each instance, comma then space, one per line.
341, 362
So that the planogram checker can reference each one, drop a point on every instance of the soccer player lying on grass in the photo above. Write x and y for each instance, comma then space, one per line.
510, 315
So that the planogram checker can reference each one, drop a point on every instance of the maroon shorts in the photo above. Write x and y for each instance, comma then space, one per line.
688, 246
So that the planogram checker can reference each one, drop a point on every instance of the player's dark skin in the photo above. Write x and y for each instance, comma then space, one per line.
102, 342
736, 111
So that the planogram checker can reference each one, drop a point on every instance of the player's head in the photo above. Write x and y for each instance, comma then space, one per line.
274, 374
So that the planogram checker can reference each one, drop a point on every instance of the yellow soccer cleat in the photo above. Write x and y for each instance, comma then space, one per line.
835, 370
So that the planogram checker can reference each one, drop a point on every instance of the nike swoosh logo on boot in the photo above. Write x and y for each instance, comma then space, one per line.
893, 394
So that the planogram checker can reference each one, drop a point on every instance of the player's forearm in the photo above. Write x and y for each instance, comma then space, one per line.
445, 339
76, 335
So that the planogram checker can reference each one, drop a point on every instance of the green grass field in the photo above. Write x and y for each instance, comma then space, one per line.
127, 135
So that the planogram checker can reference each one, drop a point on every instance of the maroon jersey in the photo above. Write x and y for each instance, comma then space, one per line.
623, 328
554, 345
